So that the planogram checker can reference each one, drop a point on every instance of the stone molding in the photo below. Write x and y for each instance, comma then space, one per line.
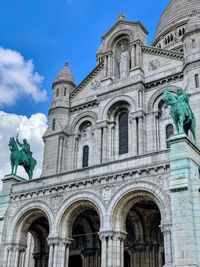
137, 173
87, 80
162, 52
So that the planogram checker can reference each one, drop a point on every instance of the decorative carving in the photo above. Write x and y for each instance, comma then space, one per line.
154, 64
95, 84
107, 191
55, 201
13, 207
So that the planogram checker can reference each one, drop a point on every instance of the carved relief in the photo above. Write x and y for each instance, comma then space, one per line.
154, 64
13, 209
107, 191
95, 84
55, 201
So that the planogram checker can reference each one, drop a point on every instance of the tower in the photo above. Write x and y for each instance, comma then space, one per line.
55, 137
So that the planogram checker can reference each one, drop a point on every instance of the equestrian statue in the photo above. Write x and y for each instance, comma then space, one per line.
181, 113
21, 155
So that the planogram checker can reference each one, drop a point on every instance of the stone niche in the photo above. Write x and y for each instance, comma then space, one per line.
122, 57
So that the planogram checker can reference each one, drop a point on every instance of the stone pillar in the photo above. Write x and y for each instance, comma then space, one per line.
103, 239
75, 150
141, 136
166, 230
138, 54
132, 55
184, 171
60, 154
105, 144
111, 139
133, 135
51, 251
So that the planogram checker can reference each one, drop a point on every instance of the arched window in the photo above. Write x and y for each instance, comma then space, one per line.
169, 132
193, 43
123, 132
57, 92
85, 156
180, 32
183, 31
196, 80
172, 37
53, 124
65, 91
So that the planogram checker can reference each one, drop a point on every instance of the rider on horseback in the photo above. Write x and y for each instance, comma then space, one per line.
25, 148
183, 99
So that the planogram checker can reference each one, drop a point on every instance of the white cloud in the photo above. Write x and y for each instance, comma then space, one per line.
18, 78
32, 129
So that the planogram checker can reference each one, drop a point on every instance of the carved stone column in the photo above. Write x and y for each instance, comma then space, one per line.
111, 140
60, 154
133, 135
105, 144
51, 249
103, 239
75, 152
118, 249
166, 230
133, 52
64, 252
15, 255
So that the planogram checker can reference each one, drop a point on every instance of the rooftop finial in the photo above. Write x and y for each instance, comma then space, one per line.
66, 64
121, 16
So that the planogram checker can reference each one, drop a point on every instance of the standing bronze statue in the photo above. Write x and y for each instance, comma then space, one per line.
21, 156
181, 112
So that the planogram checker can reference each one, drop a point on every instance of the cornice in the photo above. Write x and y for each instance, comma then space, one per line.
162, 52
172, 78
87, 80
96, 180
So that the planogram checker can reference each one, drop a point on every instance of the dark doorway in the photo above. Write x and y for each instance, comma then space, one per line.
127, 259
75, 261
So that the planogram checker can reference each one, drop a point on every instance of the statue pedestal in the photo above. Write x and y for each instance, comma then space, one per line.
185, 200
9, 180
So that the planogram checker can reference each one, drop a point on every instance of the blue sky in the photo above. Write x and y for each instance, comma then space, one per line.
49, 32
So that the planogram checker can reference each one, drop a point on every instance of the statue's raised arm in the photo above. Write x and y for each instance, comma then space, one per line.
181, 112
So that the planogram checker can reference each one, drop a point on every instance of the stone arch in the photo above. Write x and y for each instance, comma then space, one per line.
87, 115
24, 213
124, 98
72, 206
127, 195
157, 96
111, 41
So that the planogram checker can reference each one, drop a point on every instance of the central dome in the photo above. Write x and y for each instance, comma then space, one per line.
176, 15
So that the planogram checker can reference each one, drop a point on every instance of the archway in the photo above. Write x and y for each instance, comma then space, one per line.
144, 244
85, 248
30, 244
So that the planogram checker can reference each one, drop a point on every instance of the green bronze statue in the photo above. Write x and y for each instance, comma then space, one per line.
181, 112
21, 156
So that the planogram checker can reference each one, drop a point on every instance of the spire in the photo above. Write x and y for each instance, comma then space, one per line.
65, 75
121, 16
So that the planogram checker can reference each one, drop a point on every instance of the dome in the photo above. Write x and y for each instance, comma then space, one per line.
193, 24
177, 13
65, 75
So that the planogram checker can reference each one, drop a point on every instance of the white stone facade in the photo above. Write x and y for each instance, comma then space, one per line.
112, 193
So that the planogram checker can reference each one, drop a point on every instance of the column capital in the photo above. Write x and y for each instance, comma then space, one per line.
165, 228
137, 114
58, 240
102, 124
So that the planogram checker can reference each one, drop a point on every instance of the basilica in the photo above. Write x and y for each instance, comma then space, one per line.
119, 187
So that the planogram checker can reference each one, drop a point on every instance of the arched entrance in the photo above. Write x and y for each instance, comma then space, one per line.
85, 248
30, 247
144, 244
137, 218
